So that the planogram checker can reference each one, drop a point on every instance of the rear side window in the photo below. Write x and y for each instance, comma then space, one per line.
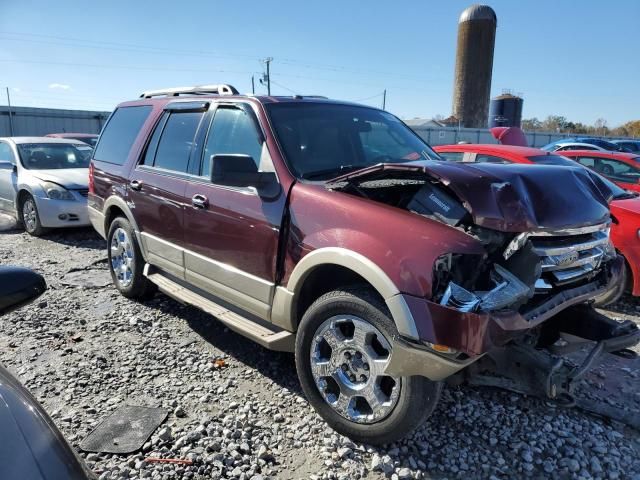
452, 156
120, 133
176, 141
482, 158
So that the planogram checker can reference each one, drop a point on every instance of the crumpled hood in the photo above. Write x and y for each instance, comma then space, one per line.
71, 178
512, 198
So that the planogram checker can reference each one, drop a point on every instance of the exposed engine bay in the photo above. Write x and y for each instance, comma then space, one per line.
520, 270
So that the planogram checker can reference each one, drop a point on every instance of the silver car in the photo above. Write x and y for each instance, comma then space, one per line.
44, 182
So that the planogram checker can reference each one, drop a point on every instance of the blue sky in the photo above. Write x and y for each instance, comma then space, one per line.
573, 58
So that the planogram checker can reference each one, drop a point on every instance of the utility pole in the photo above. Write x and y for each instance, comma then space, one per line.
9, 111
253, 86
268, 61
384, 98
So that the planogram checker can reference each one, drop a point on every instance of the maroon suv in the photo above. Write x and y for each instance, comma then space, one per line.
332, 230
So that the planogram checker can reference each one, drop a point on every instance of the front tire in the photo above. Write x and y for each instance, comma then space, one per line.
343, 344
125, 261
30, 217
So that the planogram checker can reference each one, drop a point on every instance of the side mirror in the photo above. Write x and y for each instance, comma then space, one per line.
19, 286
238, 170
6, 165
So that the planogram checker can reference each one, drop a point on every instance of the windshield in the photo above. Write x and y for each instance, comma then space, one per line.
321, 141
55, 156
88, 140
553, 160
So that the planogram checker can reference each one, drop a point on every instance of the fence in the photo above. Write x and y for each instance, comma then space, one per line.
27, 121
451, 135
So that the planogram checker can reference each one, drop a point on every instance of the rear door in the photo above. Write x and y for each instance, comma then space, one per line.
157, 185
232, 233
8, 177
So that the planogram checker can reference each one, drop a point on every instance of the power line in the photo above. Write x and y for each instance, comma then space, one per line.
85, 43
286, 88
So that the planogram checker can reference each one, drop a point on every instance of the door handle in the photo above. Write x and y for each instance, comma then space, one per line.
199, 201
135, 185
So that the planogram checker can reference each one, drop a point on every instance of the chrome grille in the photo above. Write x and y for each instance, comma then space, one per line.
568, 256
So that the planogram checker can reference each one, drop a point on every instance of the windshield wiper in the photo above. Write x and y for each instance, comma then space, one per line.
333, 172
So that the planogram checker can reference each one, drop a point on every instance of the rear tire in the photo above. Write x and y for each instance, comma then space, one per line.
345, 381
126, 263
29, 216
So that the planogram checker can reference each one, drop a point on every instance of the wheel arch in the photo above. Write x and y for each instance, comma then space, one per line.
328, 268
115, 207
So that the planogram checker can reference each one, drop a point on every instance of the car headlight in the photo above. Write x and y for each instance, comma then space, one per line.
57, 192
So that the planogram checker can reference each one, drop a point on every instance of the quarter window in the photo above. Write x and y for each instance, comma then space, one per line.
176, 141
6, 154
233, 131
120, 133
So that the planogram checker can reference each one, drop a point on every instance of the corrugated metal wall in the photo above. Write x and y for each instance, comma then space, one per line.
29, 121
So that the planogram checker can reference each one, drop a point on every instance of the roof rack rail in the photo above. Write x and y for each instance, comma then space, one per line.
221, 89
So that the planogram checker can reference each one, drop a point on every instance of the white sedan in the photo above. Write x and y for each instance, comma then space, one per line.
44, 182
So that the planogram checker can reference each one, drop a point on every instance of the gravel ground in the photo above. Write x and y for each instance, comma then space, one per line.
236, 409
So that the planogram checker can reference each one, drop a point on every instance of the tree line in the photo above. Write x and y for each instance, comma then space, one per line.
560, 124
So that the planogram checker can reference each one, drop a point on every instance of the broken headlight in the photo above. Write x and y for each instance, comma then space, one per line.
507, 290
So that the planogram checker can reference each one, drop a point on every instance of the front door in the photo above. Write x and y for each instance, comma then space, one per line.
157, 188
8, 177
232, 232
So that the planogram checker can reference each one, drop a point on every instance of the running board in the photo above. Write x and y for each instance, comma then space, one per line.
281, 341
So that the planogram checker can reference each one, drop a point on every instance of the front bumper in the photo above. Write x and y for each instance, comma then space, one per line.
62, 213
476, 333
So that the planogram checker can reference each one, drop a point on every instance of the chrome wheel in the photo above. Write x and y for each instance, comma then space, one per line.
29, 215
121, 252
348, 358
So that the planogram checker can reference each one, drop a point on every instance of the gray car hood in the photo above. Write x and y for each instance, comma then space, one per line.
71, 178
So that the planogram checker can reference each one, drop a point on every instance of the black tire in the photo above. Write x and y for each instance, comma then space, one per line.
138, 287
33, 227
613, 295
418, 396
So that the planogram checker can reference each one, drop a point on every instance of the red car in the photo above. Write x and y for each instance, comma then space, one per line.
621, 168
625, 208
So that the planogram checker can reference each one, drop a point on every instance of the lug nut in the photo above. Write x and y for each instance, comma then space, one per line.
366, 367
363, 378
344, 367
352, 378
347, 355
358, 355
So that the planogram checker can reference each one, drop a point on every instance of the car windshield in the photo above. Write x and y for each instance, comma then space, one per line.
553, 160
54, 156
88, 140
322, 141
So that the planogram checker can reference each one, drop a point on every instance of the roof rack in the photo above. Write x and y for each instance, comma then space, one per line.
221, 89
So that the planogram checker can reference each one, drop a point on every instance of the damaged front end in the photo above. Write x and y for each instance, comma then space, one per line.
544, 231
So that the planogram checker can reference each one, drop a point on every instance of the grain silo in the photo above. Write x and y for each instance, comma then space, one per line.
505, 111
474, 64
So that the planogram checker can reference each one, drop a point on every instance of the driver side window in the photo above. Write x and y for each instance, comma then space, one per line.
233, 132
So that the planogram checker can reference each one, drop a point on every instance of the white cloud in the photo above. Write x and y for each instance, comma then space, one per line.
59, 86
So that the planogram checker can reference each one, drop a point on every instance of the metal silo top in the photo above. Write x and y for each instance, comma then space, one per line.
478, 12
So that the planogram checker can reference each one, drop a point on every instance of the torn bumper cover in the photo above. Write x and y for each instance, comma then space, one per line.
476, 333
